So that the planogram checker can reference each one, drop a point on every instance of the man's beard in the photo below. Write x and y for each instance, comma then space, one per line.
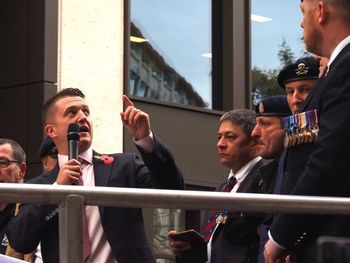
314, 41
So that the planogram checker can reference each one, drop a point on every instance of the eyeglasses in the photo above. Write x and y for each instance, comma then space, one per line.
6, 162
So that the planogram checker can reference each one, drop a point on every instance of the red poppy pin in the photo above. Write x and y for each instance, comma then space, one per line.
106, 159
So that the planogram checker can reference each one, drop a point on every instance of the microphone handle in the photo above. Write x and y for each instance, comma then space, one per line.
73, 146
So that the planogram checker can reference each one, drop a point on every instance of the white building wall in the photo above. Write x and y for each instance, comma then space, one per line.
90, 57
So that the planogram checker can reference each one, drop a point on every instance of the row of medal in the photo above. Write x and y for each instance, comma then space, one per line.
300, 128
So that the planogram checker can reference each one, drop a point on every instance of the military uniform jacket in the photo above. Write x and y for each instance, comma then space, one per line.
321, 168
123, 227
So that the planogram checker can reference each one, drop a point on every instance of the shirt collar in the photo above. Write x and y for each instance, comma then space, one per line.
245, 169
87, 156
338, 49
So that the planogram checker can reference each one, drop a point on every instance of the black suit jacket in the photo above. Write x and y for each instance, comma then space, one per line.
226, 247
123, 227
320, 168
237, 240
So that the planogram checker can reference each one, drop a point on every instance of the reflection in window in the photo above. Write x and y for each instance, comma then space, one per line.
168, 51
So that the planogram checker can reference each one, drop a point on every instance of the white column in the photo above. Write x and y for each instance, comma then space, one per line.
90, 57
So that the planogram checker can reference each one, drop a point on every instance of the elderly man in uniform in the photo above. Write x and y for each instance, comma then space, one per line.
269, 133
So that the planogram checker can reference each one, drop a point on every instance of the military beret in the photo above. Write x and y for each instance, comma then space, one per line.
303, 68
47, 147
273, 106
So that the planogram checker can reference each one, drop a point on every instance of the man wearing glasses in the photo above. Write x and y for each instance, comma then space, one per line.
12, 170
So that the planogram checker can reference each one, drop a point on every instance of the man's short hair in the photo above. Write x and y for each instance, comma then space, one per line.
243, 118
18, 152
68, 92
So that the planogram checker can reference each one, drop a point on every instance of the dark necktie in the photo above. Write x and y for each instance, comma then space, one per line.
209, 228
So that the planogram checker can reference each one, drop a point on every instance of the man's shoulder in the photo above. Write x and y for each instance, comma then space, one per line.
44, 178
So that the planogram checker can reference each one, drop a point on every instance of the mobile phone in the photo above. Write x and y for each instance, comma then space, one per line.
190, 235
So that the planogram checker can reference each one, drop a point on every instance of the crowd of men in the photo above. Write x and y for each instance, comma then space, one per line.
291, 144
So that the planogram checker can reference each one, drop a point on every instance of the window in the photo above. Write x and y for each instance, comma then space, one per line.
276, 41
170, 51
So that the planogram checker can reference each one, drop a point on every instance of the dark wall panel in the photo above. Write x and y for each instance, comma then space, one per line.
14, 42
28, 70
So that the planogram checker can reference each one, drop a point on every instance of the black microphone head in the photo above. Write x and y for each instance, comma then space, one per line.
73, 132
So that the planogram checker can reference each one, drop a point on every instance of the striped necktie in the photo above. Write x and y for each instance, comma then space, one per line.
86, 238
209, 228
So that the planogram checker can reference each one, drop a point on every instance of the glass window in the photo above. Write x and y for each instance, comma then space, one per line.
170, 51
276, 41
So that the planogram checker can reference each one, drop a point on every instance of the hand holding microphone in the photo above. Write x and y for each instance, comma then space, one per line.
70, 172
73, 136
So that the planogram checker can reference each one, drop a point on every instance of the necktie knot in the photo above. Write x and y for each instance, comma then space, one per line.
211, 223
230, 184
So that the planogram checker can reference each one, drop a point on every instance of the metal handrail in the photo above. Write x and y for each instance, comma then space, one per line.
71, 200
132, 197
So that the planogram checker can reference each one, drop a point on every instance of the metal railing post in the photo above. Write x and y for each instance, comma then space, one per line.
71, 229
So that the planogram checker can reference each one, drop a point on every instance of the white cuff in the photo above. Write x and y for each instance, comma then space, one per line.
146, 144
274, 242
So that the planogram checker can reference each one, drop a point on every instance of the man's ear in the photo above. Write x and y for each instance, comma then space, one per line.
50, 130
322, 12
22, 173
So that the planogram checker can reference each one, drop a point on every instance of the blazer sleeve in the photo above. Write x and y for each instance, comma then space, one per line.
326, 170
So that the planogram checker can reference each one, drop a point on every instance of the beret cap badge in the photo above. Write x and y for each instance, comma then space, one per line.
301, 69
261, 107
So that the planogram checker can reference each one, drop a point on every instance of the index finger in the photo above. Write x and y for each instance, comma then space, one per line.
127, 101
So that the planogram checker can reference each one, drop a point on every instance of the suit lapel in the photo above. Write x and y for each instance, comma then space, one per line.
311, 95
321, 80
246, 184
102, 171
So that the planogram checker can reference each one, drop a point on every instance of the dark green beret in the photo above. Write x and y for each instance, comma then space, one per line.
303, 68
273, 106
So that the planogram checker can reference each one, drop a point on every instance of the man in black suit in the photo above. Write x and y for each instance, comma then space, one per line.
116, 234
237, 151
318, 166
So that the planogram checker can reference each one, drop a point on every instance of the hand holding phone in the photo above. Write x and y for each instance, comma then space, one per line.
193, 249
191, 236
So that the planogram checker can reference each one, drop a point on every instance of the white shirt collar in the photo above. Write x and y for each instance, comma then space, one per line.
245, 169
338, 49
87, 156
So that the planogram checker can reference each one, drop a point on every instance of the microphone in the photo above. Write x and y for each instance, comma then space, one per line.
73, 136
